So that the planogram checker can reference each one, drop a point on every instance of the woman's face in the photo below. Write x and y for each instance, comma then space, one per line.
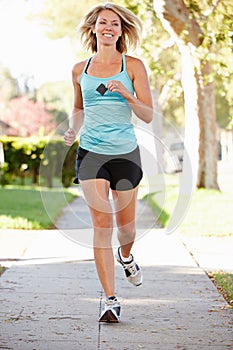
107, 28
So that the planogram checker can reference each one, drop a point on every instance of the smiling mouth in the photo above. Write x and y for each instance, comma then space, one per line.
108, 35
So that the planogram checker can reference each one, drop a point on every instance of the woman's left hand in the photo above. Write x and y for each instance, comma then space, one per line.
115, 86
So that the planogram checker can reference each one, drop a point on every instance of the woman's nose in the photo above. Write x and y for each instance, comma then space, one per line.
108, 26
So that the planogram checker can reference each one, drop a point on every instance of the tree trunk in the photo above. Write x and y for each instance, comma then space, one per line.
192, 129
207, 118
157, 128
199, 98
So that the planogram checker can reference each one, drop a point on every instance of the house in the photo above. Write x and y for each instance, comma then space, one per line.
4, 128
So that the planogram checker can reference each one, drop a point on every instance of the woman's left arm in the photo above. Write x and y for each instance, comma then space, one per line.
141, 104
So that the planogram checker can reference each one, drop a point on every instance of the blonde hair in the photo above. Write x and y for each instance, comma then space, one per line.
130, 24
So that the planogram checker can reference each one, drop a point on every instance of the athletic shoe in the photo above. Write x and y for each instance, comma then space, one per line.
132, 270
111, 311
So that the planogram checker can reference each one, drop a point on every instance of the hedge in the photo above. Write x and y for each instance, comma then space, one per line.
40, 158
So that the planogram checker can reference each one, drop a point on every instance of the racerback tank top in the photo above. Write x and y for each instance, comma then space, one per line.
107, 127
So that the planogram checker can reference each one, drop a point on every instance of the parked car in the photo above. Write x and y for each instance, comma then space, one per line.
174, 157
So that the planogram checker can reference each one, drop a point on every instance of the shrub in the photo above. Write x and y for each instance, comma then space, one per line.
34, 156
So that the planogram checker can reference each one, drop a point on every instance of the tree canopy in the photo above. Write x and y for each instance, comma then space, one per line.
216, 20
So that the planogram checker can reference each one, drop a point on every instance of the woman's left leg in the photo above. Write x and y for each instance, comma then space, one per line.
125, 205
125, 210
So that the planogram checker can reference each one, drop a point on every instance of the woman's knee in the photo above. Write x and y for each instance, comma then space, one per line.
127, 230
102, 220
103, 237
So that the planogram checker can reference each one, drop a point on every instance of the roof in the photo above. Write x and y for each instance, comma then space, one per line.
4, 124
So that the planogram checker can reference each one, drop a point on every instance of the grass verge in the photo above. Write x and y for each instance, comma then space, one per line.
209, 214
2, 269
224, 284
32, 207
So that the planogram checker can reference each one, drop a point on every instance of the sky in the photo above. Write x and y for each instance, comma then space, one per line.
25, 49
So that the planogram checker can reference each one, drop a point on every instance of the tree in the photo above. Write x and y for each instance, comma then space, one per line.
62, 17
198, 86
194, 19
9, 87
19, 107
191, 20
27, 118
58, 97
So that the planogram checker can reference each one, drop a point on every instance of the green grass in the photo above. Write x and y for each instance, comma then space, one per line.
2, 269
31, 207
224, 283
161, 214
208, 214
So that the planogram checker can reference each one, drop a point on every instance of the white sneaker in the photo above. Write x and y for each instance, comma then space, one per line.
111, 311
132, 270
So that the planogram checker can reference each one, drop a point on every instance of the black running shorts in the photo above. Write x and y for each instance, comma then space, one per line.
124, 171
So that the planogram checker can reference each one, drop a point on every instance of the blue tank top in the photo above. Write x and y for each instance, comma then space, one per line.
107, 127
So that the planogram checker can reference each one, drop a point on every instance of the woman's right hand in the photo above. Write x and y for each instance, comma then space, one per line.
69, 137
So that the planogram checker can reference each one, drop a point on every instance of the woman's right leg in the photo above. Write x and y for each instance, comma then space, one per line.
96, 193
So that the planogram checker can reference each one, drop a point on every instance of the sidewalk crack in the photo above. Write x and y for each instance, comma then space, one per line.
99, 325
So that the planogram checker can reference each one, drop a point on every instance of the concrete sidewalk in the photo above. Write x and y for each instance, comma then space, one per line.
50, 298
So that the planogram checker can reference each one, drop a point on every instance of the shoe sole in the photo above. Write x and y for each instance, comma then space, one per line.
109, 317
138, 285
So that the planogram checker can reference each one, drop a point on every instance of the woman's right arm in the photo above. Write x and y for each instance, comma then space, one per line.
76, 119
